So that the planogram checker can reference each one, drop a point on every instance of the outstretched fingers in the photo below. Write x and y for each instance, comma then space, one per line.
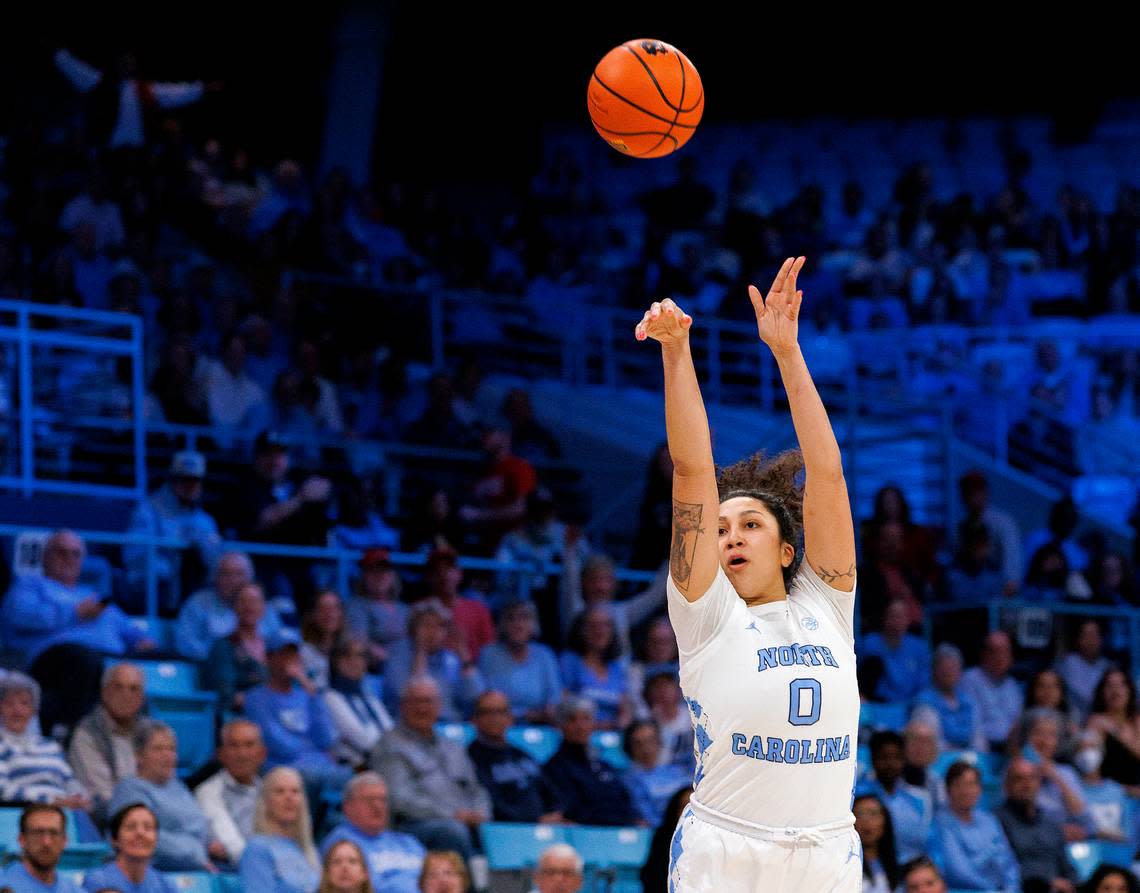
790, 281
781, 277
757, 301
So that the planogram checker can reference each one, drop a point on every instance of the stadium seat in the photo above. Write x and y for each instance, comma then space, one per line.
1085, 856
613, 856
9, 829
194, 725
540, 742
514, 847
882, 716
168, 678
608, 747
462, 733
193, 882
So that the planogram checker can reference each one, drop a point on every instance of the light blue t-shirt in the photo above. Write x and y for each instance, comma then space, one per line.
958, 723
394, 860
606, 693
273, 864
911, 815
17, 877
110, 876
906, 669
973, 855
531, 684
651, 789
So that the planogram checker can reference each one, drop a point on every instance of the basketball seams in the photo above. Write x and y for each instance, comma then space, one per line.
649, 71
676, 108
630, 102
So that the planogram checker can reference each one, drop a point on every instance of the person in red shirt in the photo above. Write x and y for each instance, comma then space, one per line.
472, 623
498, 497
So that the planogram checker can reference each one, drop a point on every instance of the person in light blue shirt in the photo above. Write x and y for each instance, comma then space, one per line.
1110, 811
281, 856
394, 860
42, 840
209, 615
184, 843
651, 785
946, 702
293, 719
524, 670
134, 835
910, 807
905, 657
593, 667
995, 694
967, 843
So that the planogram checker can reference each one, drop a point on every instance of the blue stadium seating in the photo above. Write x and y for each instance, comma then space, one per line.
462, 733
882, 716
194, 882
608, 747
514, 847
613, 856
539, 741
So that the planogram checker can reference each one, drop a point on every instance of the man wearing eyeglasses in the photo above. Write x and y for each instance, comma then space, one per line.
43, 838
559, 870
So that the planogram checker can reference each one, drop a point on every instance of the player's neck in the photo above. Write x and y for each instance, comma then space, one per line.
765, 599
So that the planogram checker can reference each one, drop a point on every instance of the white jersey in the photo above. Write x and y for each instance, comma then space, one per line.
774, 700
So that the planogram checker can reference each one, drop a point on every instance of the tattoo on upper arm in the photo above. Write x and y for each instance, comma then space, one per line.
686, 529
830, 577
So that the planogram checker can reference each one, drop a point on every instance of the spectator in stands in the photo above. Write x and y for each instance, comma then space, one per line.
281, 856
919, 543
426, 651
344, 870
375, 612
1049, 578
667, 708
885, 577
973, 576
921, 875
175, 385
593, 667
359, 523
1062, 524
539, 541
185, 842
560, 870
433, 788
321, 629
905, 658
63, 631
877, 836
968, 843
524, 670
357, 714
471, 618
327, 409
209, 614
920, 752
434, 523
585, 584
33, 769
444, 872
1004, 533
1035, 836
531, 441
1083, 668
237, 663
1109, 811
519, 791
1060, 795
439, 426
42, 840
229, 797
283, 209
102, 750
497, 499
655, 871
650, 780
134, 837
947, 703
233, 399
655, 516
586, 790
175, 512
657, 655
1114, 717
994, 693
95, 208
292, 717
1046, 689
393, 860
1111, 879
92, 268
911, 808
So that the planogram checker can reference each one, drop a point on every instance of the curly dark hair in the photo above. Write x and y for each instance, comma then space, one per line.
777, 483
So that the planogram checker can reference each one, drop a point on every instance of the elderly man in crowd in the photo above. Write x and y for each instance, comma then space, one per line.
434, 791
559, 870
229, 796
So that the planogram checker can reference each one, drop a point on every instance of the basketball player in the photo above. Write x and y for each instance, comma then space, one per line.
764, 630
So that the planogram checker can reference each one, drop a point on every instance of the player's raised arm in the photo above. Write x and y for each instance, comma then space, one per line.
829, 533
693, 558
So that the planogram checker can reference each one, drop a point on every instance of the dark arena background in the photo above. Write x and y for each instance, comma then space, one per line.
318, 384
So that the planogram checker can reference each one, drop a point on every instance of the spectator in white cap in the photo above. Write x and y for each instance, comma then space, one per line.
174, 511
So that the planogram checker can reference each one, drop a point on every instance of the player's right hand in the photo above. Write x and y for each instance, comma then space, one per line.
664, 321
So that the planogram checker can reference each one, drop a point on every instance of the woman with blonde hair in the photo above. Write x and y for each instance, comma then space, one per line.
444, 872
345, 870
281, 856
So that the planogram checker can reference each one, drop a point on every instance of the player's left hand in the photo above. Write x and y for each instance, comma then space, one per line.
777, 316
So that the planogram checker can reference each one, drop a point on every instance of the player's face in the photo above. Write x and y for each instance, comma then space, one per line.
925, 880
752, 551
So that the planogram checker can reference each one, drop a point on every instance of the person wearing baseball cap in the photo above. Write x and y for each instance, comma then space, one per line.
174, 511
294, 722
473, 625
374, 612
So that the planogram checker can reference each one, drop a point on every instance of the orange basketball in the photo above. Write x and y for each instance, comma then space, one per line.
645, 98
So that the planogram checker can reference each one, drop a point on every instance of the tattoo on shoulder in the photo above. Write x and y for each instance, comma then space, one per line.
830, 577
686, 529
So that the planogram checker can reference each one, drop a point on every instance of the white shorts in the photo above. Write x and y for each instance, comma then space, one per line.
713, 854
